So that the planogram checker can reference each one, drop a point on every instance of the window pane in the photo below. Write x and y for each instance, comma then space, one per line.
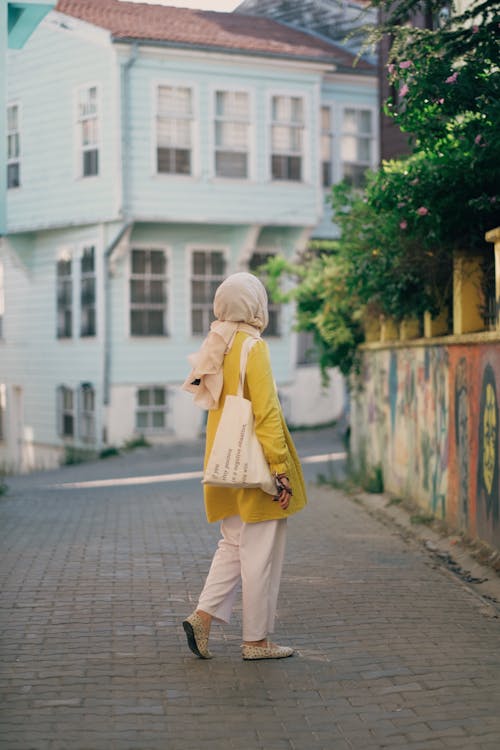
157, 294
12, 117
354, 174
364, 149
158, 262
349, 121
90, 163
231, 135
218, 264
325, 118
365, 121
158, 419
296, 109
326, 151
87, 294
89, 132
67, 424
141, 419
13, 146
327, 173
281, 108
199, 264
137, 291
174, 101
182, 161
230, 164
138, 322
156, 323
138, 261
349, 151
159, 396
87, 261
143, 396
198, 293
13, 178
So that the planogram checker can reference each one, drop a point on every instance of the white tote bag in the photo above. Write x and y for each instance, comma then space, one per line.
237, 458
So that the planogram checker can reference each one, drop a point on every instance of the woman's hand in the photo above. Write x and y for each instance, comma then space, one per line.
285, 492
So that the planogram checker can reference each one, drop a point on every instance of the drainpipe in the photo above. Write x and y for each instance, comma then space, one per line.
125, 211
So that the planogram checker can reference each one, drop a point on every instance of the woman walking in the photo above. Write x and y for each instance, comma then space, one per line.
253, 523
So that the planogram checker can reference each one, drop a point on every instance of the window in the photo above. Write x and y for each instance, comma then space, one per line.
307, 352
13, 147
287, 133
88, 292
174, 130
273, 328
232, 114
152, 409
356, 145
207, 272
64, 298
88, 127
2, 410
66, 411
86, 415
2, 299
326, 147
148, 293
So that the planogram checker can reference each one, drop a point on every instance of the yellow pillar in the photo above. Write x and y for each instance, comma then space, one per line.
388, 329
437, 326
467, 294
494, 236
372, 328
409, 329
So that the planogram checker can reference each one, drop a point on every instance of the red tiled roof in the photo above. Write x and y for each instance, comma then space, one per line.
206, 29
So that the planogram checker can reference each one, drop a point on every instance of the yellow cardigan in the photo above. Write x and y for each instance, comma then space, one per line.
253, 505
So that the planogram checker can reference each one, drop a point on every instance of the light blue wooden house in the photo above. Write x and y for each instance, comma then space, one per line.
158, 149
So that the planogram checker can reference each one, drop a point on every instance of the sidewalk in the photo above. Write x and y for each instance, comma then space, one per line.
394, 652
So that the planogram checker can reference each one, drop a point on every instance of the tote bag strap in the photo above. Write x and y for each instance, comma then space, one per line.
246, 346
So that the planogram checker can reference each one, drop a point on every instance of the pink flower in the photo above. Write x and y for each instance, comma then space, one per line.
422, 211
403, 90
391, 68
440, 101
452, 78
415, 181
405, 64
401, 204
477, 139
403, 224
475, 29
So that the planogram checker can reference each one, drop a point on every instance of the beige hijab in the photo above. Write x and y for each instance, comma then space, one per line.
240, 304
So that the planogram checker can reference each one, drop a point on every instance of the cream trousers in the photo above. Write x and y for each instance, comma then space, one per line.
253, 554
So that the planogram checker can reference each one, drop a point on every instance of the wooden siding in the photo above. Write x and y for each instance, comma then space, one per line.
44, 77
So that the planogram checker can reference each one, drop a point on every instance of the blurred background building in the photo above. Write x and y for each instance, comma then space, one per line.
153, 151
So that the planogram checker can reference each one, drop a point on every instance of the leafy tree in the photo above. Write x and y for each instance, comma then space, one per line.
398, 236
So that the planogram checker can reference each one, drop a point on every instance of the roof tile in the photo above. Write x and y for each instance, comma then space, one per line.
206, 29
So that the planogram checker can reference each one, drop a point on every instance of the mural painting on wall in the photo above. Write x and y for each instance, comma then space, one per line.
462, 443
488, 501
419, 413
376, 439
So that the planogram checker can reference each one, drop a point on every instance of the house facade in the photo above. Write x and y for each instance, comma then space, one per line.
160, 149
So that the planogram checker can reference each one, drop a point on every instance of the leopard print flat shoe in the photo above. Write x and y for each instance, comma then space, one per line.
271, 651
197, 636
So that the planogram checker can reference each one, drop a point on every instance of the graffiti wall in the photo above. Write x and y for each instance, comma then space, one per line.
429, 416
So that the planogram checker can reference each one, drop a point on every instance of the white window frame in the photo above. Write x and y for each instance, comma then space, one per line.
3, 412
128, 306
195, 134
206, 247
2, 299
65, 254
227, 87
339, 133
85, 275
18, 159
151, 409
306, 131
63, 412
86, 416
273, 307
79, 147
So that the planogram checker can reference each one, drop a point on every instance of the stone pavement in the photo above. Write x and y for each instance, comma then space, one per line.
393, 652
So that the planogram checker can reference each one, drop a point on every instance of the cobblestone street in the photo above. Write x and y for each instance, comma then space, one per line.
392, 651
